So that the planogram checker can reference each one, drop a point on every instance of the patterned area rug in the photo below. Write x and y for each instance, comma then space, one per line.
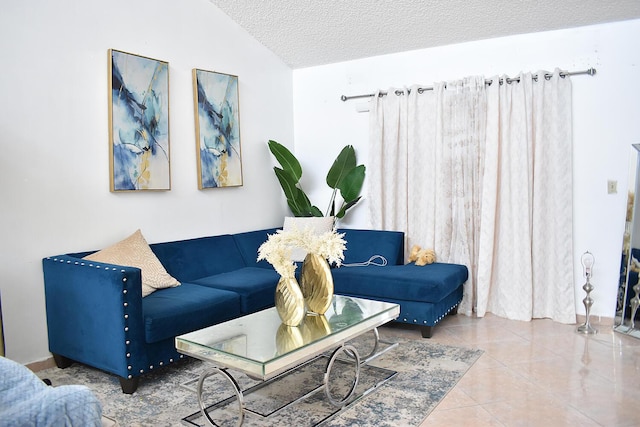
426, 372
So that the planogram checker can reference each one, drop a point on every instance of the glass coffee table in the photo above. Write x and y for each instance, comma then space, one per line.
261, 347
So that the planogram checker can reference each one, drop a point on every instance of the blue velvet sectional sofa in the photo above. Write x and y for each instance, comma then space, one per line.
96, 314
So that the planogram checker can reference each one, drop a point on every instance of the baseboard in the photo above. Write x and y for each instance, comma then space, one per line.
42, 364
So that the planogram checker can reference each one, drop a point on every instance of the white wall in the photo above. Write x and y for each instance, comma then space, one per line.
606, 121
54, 137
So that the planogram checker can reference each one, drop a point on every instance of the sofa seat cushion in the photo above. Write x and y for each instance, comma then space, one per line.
174, 311
256, 286
429, 283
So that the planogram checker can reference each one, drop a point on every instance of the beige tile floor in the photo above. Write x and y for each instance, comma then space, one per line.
539, 373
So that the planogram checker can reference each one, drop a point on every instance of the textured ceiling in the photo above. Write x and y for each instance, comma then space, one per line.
306, 33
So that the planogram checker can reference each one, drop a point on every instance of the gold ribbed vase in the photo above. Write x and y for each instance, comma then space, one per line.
289, 301
316, 283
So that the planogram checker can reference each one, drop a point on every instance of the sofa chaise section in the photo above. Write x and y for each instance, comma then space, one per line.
426, 294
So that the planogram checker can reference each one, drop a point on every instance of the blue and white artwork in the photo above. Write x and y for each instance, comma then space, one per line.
217, 129
139, 119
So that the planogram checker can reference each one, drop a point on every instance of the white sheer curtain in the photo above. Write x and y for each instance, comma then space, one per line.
482, 174
387, 156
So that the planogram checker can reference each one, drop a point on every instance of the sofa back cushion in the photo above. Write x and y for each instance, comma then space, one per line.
363, 244
191, 259
248, 244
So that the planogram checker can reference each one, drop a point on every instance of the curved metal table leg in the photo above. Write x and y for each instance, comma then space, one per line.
374, 350
375, 344
235, 386
350, 351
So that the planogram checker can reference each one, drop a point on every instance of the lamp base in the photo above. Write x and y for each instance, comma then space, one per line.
586, 329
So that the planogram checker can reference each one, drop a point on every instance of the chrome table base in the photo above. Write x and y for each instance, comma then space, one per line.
340, 402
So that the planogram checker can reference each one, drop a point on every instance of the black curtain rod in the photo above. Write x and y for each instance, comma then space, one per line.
590, 71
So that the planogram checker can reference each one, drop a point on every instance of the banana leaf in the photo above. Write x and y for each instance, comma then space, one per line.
287, 160
297, 200
351, 185
343, 209
342, 165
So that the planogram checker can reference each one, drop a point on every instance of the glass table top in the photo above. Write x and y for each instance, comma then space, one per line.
262, 347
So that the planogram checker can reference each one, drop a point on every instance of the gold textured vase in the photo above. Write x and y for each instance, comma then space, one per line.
289, 301
316, 283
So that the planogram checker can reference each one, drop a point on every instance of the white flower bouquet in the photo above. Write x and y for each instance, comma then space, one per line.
278, 247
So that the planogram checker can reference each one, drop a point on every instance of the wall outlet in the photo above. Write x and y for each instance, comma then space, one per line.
612, 187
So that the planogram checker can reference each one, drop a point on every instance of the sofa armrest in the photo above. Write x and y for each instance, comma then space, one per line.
94, 312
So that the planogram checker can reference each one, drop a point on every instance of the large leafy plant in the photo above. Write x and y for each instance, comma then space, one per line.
344, 176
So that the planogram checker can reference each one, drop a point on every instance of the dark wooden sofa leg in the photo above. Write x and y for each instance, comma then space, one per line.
427, 331
129, 385
61, 361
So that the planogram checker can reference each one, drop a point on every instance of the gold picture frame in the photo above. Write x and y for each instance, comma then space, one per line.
138, 123
217, 121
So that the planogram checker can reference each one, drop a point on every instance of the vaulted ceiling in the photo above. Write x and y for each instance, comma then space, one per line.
307, 33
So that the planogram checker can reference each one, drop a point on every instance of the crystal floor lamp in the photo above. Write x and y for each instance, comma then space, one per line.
587, 260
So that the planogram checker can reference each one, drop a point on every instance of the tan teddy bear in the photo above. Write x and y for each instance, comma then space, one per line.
422, 256
413, 254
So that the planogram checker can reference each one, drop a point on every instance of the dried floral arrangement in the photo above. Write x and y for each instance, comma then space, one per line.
278, 247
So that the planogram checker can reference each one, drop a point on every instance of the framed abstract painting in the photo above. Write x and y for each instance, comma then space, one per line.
138, 123
217, 116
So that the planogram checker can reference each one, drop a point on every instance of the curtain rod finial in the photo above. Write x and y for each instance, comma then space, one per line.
591, 71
